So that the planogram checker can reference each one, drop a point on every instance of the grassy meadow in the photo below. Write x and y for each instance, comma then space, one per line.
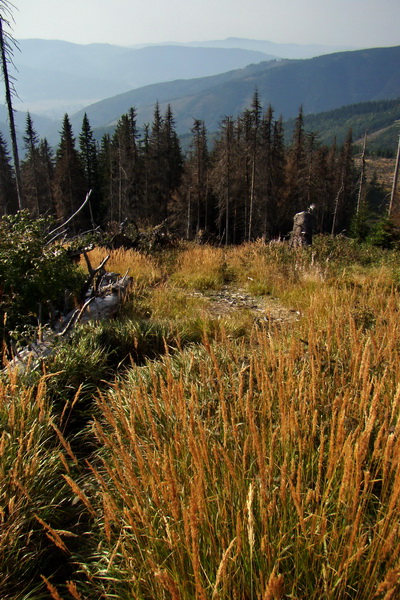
182, 452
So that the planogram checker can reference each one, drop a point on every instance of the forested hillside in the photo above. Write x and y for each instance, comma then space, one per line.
378, 119
56, 76
245, 184
318, 84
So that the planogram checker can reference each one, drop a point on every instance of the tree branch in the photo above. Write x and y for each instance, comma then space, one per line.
51, 233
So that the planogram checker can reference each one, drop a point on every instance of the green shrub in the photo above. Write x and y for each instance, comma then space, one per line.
32, 273
385, 234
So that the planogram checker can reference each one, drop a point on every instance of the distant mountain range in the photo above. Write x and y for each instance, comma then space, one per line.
55, 77
319, 84
276, 49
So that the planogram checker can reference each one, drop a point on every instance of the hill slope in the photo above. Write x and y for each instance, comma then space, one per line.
319, 84
277, 49
53, 75
377, 119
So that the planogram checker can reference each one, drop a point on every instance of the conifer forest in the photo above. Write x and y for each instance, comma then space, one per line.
242, 183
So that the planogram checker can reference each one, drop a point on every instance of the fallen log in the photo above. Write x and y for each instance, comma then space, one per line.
104, 305
106, 302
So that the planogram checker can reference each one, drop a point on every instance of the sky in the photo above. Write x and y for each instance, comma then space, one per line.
358, 23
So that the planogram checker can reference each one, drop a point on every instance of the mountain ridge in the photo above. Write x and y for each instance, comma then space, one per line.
278, 49
318, 84
94, 72
97, 71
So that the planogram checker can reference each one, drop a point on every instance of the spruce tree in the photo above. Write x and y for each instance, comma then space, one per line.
191, 210
241, 177
268, 198
88, 156
46, 168
322, 189
296, 178
69, 180
255, 115
344, 204
199, 160
37, 172
163, 164
222, 178
279, 218
107, 179
126, 168
172, 159
30, 169
153, 169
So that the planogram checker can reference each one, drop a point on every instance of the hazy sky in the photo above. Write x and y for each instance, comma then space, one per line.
362, 23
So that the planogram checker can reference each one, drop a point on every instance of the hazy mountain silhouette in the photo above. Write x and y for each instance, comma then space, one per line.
318, 84
55, 76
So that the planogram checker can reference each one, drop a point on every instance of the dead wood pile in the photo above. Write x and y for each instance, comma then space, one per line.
101, 298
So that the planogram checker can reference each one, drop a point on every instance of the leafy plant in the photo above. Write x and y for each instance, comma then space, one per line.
385, 234
32, 273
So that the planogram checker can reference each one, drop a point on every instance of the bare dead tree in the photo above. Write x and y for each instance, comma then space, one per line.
61, 229
395, 178
7, 44
362, 176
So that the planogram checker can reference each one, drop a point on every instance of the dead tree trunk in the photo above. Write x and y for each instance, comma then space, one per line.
5, 55
395, 178
302, 229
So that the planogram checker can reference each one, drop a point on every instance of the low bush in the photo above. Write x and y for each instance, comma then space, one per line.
32, 273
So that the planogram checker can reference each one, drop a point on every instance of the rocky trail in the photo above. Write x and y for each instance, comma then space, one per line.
230, 299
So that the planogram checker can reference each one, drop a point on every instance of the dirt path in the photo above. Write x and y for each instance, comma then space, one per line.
230, 299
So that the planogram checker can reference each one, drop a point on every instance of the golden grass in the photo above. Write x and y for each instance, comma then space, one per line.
265, 469
260, 466
31, 487
200, 267
142, 268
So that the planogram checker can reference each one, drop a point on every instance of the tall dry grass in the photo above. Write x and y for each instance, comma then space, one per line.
201, 268
141, 267
261, 466
33, 493
266, 468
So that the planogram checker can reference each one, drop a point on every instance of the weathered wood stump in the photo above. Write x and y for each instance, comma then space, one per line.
302, 229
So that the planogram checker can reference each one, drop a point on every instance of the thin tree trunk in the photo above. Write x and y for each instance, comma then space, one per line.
395, 178
228, 183
189, 215
362, 176
252, 188
341, 189
4, 68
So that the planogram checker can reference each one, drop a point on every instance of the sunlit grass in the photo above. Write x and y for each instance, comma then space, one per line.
234, 469
201, 268
234, 457
141, 267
